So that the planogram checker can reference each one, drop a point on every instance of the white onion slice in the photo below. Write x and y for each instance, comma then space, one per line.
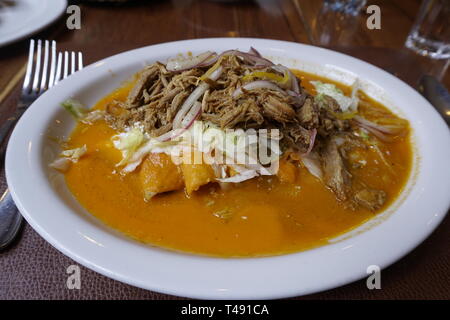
253, 57
187, 122
187, 105
195, 95
61, 164
372, 126
172, 134
191, 115
377, 133
312, 139
259, 84
293, 82
254, 52
209, 61
188, 63
245, 175
312, 164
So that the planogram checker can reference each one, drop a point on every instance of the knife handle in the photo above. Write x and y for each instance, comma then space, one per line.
437, 95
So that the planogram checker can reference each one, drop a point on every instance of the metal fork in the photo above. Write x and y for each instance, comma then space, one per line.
45, 69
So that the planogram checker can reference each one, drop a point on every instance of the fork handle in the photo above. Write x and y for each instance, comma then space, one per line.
11, 121
6, 128
10, 217
10, 220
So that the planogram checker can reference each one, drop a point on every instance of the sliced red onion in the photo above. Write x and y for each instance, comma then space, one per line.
312, 139
384, 133
380, 135
259, 84
293, 82
209, 61
293, 94
188, 103
192, 115
209, 58
254, 52
312, 164
188, 63
172, 134
186, 123
298, 99
376, 126
195, 95
255, 59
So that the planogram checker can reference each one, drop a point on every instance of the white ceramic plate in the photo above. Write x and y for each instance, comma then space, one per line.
48, 206
21, 18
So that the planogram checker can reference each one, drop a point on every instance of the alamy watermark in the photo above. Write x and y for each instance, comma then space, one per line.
74, 278
374, 280
374, 20
73, 22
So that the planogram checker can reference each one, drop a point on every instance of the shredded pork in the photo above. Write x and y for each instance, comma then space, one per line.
158, 95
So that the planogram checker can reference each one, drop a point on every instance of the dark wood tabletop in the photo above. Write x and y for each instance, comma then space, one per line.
32, 269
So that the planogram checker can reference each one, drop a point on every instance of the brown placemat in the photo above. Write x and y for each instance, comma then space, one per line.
33, 269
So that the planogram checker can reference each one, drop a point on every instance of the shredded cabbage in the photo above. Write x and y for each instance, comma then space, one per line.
228, 146
67, 157
93, 116
61, 164
74, 154
80, 113
345, 103
128, 142
75, 108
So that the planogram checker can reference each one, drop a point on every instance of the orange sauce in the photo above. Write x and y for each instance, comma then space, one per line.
255, 218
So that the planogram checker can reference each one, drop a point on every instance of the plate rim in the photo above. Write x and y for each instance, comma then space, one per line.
58, 9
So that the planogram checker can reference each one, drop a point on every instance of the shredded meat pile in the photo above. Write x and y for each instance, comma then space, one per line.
158, 94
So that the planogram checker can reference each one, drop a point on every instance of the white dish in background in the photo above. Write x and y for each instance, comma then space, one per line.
21, 18
53, 212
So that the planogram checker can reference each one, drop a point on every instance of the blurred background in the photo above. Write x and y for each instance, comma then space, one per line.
342, 25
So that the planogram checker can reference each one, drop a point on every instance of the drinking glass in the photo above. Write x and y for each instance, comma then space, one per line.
430, 34
330, 22
348, 7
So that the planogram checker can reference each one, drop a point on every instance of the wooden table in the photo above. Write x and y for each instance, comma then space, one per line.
33, 269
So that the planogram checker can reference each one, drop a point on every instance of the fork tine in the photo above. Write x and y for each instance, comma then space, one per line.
27, 81
73, 61
45, 68
80, 61
37, 71
51, 79
58, 68
66, 64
